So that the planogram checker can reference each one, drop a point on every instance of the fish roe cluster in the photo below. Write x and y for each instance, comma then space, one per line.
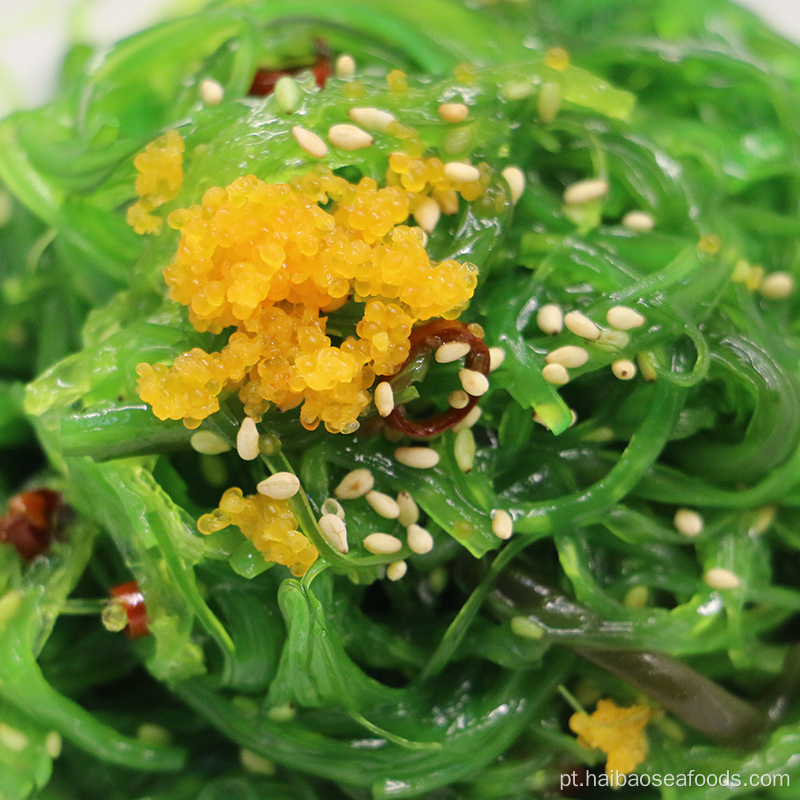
269, 524
269, 261
160, 178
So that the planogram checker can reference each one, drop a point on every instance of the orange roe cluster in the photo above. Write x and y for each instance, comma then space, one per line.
425, 177
160, 178
269, 524
267, 260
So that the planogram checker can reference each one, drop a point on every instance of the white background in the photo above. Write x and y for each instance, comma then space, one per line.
35, 33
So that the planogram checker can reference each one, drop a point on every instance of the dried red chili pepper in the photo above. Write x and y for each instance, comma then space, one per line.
429, 337
130, 597
265, 79
31, 522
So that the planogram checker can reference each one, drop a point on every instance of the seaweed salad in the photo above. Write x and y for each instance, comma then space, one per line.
402, 400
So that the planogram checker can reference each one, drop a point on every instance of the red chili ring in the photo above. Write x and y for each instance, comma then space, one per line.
132, 600
428, 337
31, 522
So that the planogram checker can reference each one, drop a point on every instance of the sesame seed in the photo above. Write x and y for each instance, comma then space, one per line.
373, 119
419, 539
396, 570
382, 543
581, 325
451, 351
458, 399
639, 221
555, 373
624, 319
475, 383
345, 66
460, 172
550, 319
526, 628
280, 486
777, 286
287, 94
636, 597
688, 522
568, 356
453, 112
349, 137
247, 440
208, 443
334, 531
255, 764
212, 92
582, 192
310, 142
383, 504
471, 419
427, 214
417, 457
384, 398
496, 358
464, 450
502, 524
12, 738
53, 744
515, 178
331, 506
355, 484
549, 101
409, 511
624, 369
721, 578
618, 339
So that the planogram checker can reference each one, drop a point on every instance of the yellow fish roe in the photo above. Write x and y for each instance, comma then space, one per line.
160, 179
269, 524
618, 732
266, 259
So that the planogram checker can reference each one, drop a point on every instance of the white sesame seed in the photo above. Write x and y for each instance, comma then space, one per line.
515, 178
688, 522
373, 119
382, 543
581, 325
556, 374
624, 369
458, 399
280, 486
427, 214
396, 570
287, 94
618, 339
460, 172
345, 66
636, 597
334, 531
639, 221
469, 420
453, 112
475, 383
208, 443
550, 319
310, 142
451, 351
417, 457
624, 318
549, 101
419, 539
331, 506
12, 738
464, 450
383, 504
568, 356
496, 358
247, 440
777, 286
409, 511
582, 192
721, 578
53, 744
349, 137
355, 484
255, 764
502, 524
212, 93
384, 398
526, 628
